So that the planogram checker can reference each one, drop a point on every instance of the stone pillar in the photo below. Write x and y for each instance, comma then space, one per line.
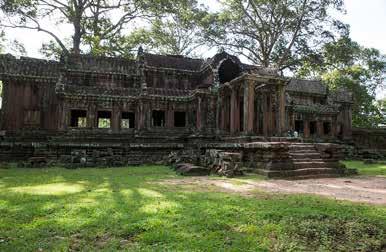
92, 116
280, 125
257, 117
223, 113
219, 116
143, 115
62, 125
227, 108
306, 128
249, 106
319, 128
347, 123
169, 120
198, 114
265, 114
115, 118
233, 111
270, 116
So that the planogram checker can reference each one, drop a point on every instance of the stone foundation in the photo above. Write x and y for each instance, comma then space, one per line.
272, 159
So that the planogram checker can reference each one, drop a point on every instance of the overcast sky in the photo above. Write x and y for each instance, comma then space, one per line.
367, 19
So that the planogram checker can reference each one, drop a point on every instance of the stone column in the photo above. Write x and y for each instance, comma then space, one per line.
198, 114
265, 114
237, 111
306, 128
233, 111
223, 113
347, 123
249, 106
270, 115
319, 128
115, 118
169, 120
92, 116
219, 116
143, 116
227, 117
280, 125
257, 117
62, 125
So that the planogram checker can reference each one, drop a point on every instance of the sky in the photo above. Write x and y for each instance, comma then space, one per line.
367, 19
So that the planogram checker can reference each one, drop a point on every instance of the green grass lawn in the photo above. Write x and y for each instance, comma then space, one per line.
367, 169
126, 209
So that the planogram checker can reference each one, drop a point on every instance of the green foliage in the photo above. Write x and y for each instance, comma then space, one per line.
344, 64
367, 169
179, 32
275, 33
131, 209
101, 27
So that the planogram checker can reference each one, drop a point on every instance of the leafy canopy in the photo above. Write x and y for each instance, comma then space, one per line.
345, 64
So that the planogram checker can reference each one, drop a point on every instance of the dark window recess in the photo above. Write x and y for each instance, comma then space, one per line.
128, 120
78, 118
228, 71
312, 128
158, 118
327, 128
299, 126
179, 119
104, 119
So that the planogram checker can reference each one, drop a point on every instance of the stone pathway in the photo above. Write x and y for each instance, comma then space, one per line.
356, 189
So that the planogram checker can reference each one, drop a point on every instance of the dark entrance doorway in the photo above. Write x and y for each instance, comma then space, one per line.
228, 71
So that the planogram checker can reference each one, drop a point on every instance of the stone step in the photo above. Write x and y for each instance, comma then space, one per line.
299, 173
312, 155
315, 164
303, 151
305, 159
302, 148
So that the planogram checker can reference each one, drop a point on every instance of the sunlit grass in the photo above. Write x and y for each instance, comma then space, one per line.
367, 169
128, 209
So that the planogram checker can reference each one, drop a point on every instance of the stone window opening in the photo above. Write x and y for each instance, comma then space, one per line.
104, 119
299, 126
313, 128
78, 119
327, 128
228, 71
179, 119
158, 118
128, 120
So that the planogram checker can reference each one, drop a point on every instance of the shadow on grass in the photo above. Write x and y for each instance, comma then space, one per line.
121, 209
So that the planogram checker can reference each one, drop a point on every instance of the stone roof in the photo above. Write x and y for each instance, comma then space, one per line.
28, 67
315, 109
307, 86
342, 96
173, 61
100, 64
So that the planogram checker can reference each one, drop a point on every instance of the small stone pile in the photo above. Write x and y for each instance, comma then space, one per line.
219, 162
183, 163
224, 163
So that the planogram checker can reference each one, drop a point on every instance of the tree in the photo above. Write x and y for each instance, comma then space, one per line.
345, 64
274, 33
179, 32
97, 24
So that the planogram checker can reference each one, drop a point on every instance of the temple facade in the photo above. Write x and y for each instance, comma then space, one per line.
167, 95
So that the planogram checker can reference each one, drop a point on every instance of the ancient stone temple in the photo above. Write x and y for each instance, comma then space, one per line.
139, 110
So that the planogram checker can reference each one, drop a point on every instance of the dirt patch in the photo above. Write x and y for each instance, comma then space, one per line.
359, 189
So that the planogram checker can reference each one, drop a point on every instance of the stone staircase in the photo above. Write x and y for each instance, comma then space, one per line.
306, 160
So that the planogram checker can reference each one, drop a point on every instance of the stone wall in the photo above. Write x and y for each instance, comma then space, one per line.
369, 143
